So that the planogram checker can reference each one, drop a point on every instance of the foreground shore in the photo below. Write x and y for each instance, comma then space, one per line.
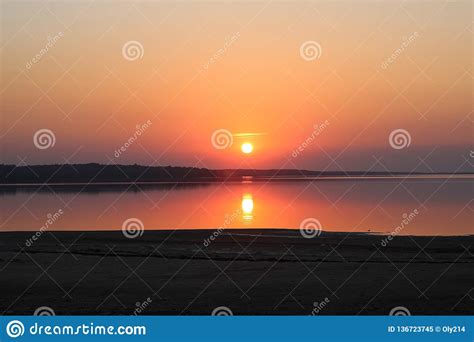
272, 272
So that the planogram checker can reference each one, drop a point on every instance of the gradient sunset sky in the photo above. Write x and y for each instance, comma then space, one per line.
237, 66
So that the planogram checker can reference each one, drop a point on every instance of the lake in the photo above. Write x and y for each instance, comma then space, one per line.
414, 206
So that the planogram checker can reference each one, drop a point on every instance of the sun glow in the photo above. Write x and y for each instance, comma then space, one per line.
247, 206
247, 148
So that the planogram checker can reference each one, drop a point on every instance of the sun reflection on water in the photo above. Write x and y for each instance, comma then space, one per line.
247, 206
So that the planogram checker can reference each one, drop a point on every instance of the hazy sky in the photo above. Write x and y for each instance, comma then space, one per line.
243, 67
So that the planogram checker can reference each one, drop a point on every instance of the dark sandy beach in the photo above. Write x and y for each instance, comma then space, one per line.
272, 272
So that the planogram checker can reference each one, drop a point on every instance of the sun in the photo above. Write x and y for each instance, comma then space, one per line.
247, 148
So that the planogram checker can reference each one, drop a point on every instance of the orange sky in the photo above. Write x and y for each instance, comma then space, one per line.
237, 66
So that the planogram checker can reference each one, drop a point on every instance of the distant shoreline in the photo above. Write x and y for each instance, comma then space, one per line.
108, 175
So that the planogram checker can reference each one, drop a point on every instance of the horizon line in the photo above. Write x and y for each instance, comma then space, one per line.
238, 169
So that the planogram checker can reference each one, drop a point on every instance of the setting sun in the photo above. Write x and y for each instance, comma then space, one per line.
247, 148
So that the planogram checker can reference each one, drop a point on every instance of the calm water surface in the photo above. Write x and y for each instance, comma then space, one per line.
428, 206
